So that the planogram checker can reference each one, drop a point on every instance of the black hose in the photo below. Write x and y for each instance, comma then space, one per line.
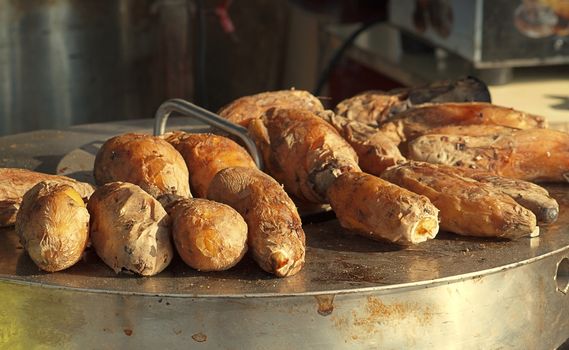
325, 75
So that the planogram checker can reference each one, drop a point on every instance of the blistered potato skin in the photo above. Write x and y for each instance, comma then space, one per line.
247, 108
209, 236
306, 153
540, 155
467, 207
415, 122
205, 155
147, 161
379, 210
130, 229
53, 225
14, 183
276, 239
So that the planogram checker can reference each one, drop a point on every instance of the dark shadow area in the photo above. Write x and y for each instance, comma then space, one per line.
562, 103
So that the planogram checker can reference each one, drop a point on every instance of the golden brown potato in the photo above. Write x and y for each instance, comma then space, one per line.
144, 160
376, 152
276, 238
472, 130
376, 107
53, 225
14, 183
244, 109
415, 122
208, 236
205, 155
467, 207
305, 153
129, 229
380, 210
531, 155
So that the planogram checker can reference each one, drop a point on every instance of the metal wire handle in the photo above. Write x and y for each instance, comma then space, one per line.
191, 110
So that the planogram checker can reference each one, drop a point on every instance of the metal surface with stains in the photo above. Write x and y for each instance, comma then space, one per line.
451, 292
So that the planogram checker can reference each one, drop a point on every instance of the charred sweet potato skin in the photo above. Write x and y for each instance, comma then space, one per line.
53, 225
415, 122
376, 152
14, 183
276, 239
209, 236
206, 154
147, 161
467, 207
539, 155
306, 153
247, 108
380, 210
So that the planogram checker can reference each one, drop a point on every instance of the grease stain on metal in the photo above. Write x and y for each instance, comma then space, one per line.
199, 337
127, 331
325, 304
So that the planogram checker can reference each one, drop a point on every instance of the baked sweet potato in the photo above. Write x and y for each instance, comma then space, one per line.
376, 152
527, 194
53, 225
14, 183
381, 210
467, 207
276, 239
205, 155
147, 161
208, 236
415, 122
531, 155
244, 109
304, 153
130, 229
309, 156
376, 107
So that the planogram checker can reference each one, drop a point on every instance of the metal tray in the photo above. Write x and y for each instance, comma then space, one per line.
451, 292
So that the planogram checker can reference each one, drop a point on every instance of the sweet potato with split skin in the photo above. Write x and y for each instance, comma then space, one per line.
305, 153
467, 207
147, 161
531, 155
310, 157
209, 236
53, 225
130, 230
247, 108
376, 152
529, 195
376, 107
381, 210
14, 183
205, 155
415, 122
276, 239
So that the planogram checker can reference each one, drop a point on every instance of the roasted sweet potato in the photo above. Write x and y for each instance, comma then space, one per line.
376, 152
130, 229
376, 107
527, 194
531, 155
381, 210
467, 207
53, 225
205, 155
276, 238
244, 109
415, 122
305, 153
147, 161
14, 183
309, 156
208, 236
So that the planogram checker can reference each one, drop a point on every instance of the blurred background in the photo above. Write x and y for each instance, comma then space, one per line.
65, 62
